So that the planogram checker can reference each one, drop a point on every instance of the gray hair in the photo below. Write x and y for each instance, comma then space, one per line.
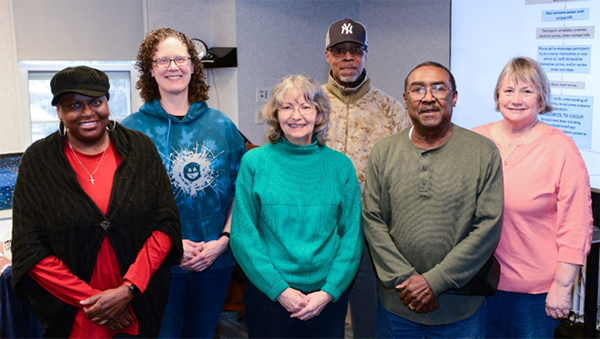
311, 89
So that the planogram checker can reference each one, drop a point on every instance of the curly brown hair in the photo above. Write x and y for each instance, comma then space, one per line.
198, 89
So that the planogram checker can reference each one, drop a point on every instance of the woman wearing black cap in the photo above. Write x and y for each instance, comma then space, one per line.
95, 224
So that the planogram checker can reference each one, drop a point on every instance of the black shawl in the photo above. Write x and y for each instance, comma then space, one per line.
52, 215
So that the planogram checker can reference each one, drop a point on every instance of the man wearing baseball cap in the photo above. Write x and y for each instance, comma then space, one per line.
360, 116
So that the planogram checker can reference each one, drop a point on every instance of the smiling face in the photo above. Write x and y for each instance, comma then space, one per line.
85, 118
346, 68
519, 102
297, 118
173, 80
430, 113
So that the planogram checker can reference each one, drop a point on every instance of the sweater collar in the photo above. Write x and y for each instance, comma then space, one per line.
287, 146
348, 95
450, 140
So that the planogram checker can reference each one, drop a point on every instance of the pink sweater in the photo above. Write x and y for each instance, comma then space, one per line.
547, 212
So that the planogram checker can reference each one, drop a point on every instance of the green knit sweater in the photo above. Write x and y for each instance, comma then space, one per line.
296, 219
433, 212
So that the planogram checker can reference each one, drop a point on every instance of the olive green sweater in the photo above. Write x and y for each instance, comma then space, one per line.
433, 212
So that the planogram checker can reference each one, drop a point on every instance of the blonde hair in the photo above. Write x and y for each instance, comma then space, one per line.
311, 89
529, 71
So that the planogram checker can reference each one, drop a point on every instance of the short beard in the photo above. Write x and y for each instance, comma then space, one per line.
349, 79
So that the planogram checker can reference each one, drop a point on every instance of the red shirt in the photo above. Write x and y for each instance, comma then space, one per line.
52, 274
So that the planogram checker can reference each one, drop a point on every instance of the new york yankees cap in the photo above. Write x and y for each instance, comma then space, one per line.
346, 30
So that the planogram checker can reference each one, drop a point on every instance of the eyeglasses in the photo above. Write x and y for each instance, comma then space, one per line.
288, 110
166, 62
439, 91
357, 51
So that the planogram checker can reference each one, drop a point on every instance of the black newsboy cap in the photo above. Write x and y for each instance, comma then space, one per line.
81, 80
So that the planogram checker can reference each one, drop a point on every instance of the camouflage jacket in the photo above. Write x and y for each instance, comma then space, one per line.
360, 117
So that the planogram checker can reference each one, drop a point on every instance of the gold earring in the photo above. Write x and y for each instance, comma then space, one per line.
62, 129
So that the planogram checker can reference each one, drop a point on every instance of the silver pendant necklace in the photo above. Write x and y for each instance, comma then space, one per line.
92, 180
509, 145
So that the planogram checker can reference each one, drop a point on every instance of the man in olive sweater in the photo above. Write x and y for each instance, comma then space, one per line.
432, 211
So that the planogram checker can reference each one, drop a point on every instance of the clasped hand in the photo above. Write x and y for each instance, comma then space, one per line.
109, 308
417, 295
558, 301
198, 256
303, 306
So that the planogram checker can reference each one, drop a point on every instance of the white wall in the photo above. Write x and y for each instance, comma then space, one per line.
278, 38
78, 30
403, 34
224, 81
212, 21
5, 228
10, 138
274, 38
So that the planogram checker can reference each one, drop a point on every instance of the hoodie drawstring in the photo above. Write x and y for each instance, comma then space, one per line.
167, 144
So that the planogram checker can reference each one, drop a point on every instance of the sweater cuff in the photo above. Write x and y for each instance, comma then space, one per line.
575, 257
435, 281
333, 291
276, 290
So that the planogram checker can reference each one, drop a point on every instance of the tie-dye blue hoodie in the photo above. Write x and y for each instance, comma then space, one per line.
202, 154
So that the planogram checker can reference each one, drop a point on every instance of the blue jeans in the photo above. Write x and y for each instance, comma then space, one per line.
268, 319
195, 303
390, 325
519, 315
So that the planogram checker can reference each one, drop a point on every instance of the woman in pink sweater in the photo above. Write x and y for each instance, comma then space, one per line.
547, 228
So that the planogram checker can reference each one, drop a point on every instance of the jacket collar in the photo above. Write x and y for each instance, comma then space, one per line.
348, 95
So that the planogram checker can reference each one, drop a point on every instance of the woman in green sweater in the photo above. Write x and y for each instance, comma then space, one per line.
296, 228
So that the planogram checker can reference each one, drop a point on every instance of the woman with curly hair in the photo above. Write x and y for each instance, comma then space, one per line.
296, 229
201, 149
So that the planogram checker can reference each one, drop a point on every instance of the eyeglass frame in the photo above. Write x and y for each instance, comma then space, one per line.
429, 88
293, 109
187, 59
362, 49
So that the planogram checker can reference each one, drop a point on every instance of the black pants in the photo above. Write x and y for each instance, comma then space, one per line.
268, 319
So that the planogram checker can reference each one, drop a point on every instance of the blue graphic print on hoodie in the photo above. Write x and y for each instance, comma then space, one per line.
202, 154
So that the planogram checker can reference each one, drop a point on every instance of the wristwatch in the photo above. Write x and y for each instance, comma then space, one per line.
224, 234
135, 291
